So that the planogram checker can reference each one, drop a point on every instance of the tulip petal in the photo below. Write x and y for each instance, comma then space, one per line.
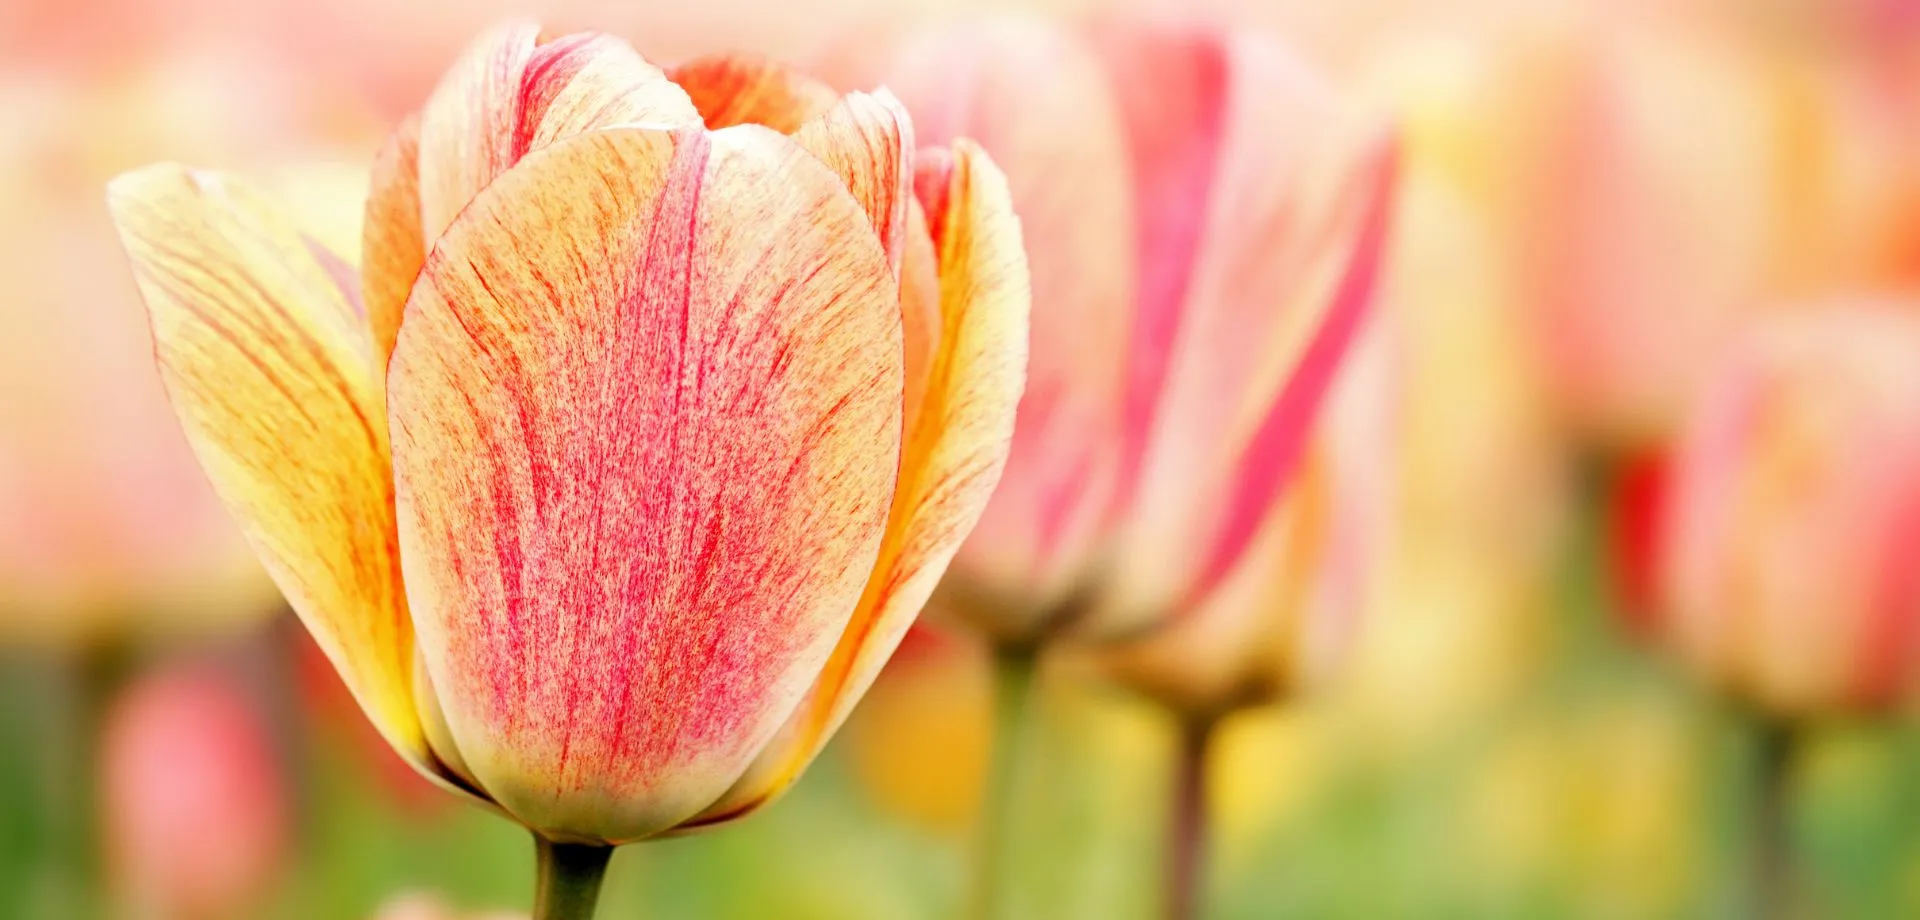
646, 422
511, 94
267, 362
1259, 244
1271, 455
739, 89
394, 245
1039, 100
867, 140
953, 454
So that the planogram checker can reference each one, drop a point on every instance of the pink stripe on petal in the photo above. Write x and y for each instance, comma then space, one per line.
1271, 457
1173, 90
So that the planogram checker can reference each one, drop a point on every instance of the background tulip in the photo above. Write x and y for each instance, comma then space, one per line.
1281, 620
1789, 511
1205, 219
1175, 220
1288, 613
194, 801
782, 369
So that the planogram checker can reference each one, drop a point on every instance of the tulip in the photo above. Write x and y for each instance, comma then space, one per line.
1792, 503
1655, 179
194, 804
661, 404
1282, 619
1204, 219
1783, 534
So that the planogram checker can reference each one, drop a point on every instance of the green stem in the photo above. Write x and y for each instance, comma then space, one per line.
1012, 714
90, 680
570, 877
1771, 882
1186, 851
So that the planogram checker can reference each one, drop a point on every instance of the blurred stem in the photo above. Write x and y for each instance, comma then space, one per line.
1186, 851
1771, 872
995, 859
569, 880
90, 677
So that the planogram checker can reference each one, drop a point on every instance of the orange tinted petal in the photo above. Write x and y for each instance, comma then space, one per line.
269, 366
1264, 196
953, 453
646, 421
394, 244
741, 89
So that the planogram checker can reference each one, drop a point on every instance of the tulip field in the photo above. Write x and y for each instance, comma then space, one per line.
1069, 459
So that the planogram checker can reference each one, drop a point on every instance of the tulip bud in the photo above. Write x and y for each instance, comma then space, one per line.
1792, 511
193, 803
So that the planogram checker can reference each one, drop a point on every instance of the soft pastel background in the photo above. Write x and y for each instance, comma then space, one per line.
1598, 198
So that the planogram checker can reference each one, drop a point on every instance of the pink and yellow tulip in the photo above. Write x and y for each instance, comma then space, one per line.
1785, 549
1204, 218
659, 406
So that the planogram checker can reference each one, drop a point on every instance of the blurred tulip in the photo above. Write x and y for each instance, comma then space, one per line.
1792, 508
1286, 616
106, 528
1652, 178
194, 807
793, 510
1204, 219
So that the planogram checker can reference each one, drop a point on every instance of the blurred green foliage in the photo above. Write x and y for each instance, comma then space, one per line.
1531, 810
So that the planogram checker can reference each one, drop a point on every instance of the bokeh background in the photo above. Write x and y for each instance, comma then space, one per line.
1599, 201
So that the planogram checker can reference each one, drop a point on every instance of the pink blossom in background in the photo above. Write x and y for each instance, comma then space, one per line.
194, 805
1204, 217
1792, 510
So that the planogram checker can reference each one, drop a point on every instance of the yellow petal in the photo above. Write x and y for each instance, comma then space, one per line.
646, 419
267, 360
952, 458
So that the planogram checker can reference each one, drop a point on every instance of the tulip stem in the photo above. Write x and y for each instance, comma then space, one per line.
1771, 882
569, 881
1186, 850
995, 859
